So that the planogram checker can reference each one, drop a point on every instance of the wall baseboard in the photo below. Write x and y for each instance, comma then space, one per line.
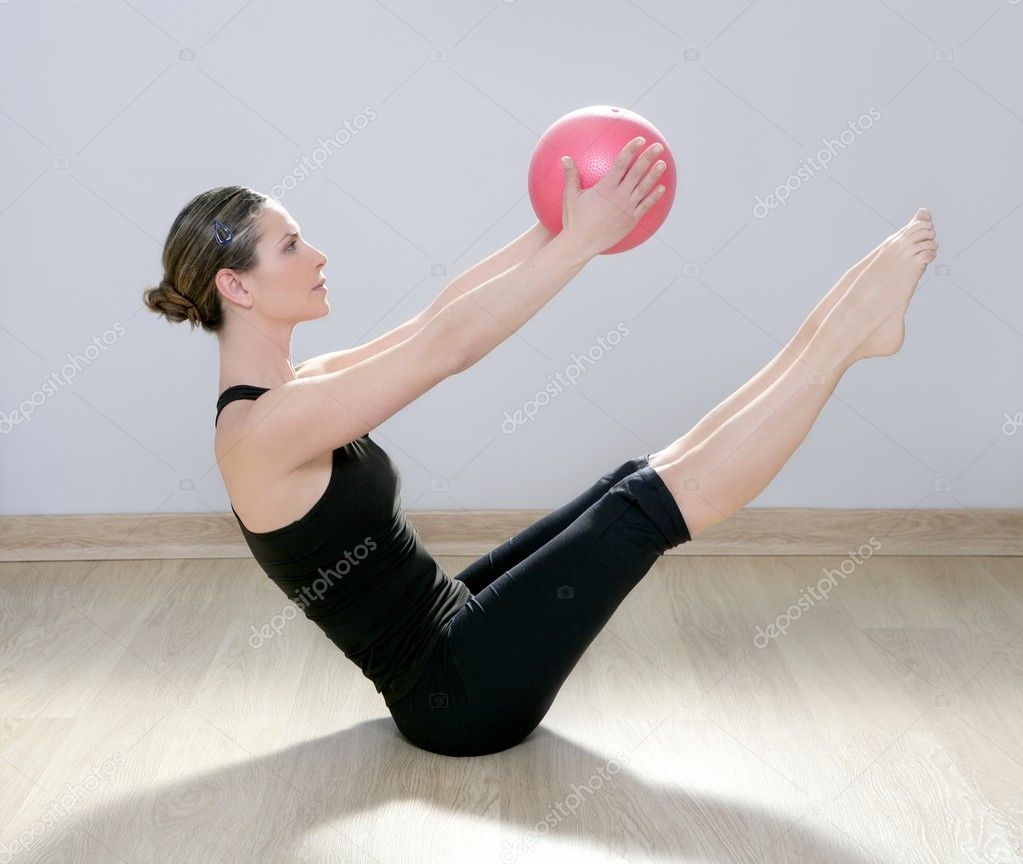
753, 531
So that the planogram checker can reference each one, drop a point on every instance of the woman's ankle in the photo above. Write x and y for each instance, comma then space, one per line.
831, 350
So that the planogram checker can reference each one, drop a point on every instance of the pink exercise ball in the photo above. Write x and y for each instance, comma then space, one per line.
593, 137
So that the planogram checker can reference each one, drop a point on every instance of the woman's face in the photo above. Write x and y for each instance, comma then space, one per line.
283, 286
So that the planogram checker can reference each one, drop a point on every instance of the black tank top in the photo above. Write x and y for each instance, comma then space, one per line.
356, 567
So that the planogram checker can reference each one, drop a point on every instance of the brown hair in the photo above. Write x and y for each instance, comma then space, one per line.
195, 252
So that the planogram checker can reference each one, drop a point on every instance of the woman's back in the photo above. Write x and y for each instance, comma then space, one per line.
356, 567
265, 493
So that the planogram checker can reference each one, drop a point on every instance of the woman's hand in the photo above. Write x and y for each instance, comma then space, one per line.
601, 215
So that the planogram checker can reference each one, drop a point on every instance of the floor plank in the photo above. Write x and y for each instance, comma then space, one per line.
142, 722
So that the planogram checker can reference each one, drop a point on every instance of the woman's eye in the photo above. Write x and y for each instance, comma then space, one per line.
291, 245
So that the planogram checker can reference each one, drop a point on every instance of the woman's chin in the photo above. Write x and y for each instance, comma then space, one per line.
323, 312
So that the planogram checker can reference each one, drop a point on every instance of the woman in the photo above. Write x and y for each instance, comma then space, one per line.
470, 665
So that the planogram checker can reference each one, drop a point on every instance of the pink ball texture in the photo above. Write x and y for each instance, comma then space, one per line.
593, 137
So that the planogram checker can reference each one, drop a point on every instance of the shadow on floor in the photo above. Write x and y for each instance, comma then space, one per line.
298, 801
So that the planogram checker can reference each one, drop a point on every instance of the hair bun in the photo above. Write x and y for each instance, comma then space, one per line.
172, 304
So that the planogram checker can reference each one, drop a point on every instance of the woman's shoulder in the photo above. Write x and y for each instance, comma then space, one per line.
234, 406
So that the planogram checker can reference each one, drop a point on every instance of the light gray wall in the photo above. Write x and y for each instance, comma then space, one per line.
114, 114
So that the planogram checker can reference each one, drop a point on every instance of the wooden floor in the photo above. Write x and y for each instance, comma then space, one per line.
140, 725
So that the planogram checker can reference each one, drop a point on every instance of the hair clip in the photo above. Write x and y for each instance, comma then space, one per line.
221, 233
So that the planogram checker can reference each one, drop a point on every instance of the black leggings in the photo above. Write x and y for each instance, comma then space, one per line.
538, 601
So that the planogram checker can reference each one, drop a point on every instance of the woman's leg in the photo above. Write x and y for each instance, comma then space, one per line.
484, 570
481, 572
734, 463
503, 657
773, 370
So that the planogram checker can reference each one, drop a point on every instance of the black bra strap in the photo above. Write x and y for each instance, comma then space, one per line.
238, 391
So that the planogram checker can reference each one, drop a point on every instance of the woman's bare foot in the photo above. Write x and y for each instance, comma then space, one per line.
870, 314
827, 303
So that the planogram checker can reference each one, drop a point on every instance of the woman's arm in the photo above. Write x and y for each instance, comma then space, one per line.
481, 319
516, 252
482, 316
526, 244
594, 220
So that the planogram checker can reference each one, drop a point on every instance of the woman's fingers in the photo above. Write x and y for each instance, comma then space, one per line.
605, 213
622, 162
571, 175
648, 202
647, 183
621, 175
641, 167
